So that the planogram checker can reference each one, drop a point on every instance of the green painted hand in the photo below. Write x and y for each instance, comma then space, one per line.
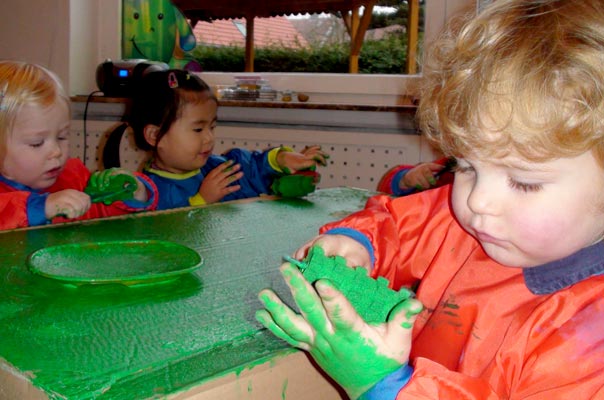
354, 353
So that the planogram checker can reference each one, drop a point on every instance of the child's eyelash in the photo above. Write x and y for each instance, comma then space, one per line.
525, 187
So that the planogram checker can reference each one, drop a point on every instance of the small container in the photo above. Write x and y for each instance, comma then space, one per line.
286, 96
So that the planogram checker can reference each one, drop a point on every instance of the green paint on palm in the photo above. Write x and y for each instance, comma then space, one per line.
343, 352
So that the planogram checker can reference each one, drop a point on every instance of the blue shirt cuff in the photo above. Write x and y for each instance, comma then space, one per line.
36, 209
133, 203
388, 388
356, 235
396, 179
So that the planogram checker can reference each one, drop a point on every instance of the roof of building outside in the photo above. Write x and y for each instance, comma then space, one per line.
267, 31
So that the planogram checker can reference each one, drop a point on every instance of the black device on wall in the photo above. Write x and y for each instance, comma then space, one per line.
118, 78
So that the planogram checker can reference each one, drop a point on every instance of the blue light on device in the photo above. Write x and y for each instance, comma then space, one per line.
123, 73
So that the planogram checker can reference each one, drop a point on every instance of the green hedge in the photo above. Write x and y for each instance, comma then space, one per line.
386, 56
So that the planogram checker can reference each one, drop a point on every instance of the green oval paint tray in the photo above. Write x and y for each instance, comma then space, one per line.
128, 262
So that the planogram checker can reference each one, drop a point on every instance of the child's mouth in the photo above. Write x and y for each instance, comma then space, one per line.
53, 173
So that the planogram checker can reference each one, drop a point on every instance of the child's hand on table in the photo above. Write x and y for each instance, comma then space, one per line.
216, 184
69, 203
355, 354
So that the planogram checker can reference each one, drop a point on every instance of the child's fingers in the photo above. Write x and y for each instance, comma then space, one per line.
264, 317
300, 253
405, 313
321, 159
231, 189
307, 299
294, 329
235, 177
225, 166
341, 313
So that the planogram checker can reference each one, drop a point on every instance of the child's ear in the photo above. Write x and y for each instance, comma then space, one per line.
151, 132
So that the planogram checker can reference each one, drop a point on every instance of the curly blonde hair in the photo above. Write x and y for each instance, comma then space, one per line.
25, 84
524, 77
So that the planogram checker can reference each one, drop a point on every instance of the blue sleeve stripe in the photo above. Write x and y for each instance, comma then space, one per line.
36, 209
389, 387
356, 235
396, 190
139, 204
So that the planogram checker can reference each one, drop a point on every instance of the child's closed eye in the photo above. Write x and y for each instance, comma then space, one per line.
523, 186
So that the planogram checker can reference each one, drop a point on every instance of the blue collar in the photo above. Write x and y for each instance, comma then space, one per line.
559, 274
17, 185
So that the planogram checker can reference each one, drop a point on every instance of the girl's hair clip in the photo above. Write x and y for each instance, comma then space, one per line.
172, 80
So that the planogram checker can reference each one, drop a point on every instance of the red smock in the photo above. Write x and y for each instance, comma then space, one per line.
483, 334
75, 175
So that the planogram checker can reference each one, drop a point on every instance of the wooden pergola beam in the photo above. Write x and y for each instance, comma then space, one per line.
356, 27
412, 36
249, 43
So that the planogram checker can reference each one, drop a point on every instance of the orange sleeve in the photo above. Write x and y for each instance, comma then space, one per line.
13, 208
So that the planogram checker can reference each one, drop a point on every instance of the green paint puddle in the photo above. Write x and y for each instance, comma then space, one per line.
127, 262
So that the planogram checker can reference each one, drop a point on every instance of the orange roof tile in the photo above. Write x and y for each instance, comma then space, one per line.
267, 31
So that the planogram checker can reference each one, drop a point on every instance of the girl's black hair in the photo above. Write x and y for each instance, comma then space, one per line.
158, 99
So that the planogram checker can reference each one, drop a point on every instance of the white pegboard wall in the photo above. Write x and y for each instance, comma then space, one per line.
356, 159
97, 132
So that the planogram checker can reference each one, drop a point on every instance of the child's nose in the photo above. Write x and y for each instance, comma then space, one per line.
55, 150
483, 199
208, 136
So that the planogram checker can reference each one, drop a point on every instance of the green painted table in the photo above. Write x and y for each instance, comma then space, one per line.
194, 337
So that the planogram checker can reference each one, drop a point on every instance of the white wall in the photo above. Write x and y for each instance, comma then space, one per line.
70, 37
36, 31
95, 36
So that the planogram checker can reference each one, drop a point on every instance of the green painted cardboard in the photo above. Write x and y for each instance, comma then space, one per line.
119, 342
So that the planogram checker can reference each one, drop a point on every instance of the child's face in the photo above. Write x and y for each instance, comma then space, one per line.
527, 214
38, 146
190, 140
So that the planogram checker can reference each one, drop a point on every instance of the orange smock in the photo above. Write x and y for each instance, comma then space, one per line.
483, 334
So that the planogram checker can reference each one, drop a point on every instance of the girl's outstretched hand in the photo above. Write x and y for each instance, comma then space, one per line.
316, 154
291, 161
355, 354
216, 184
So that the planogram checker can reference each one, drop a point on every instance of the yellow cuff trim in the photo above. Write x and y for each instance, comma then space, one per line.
272, 157
197, 200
